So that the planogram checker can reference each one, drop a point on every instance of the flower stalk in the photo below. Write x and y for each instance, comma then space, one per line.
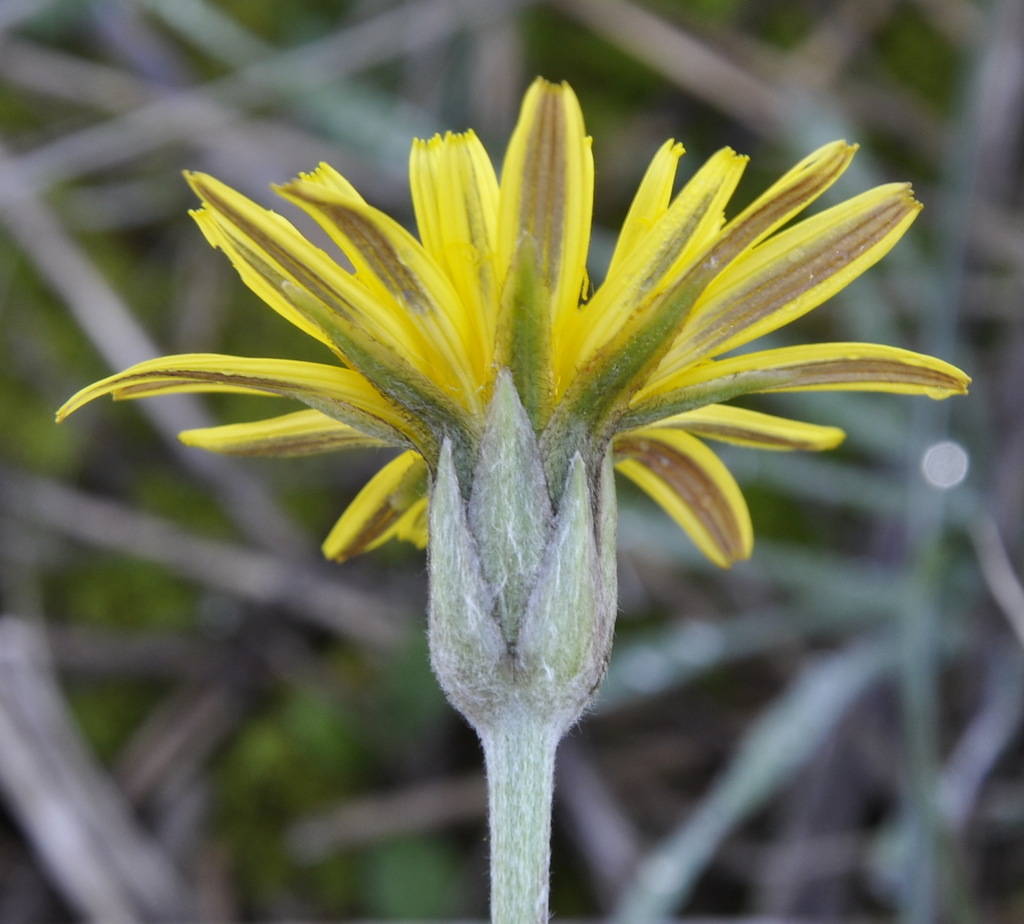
519, 755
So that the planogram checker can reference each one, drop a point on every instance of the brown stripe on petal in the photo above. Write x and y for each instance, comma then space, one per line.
379, 253
372, 529
410, 488
308, 446
729, 433
397, 378
309, 281
623, 367
146, 380
542, 206
716, 382
784, 282
278, 447
635, 298
291, 263
693, 485
744, 230
837, 372
365, 419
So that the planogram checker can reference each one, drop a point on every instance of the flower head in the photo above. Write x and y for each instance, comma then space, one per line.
496, 288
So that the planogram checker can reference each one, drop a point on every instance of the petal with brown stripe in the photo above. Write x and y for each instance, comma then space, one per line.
693, 486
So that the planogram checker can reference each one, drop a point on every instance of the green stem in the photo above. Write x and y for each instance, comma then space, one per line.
520, 754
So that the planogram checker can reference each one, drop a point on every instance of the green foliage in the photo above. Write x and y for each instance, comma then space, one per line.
409, 705
161, 492
919, 59
25, 443
301, 753
109, 592
109, 712
411, 877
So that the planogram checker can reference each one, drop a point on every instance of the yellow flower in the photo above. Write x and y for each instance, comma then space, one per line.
421, 329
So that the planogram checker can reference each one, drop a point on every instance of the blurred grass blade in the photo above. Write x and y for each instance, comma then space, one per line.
675, 654
788, 733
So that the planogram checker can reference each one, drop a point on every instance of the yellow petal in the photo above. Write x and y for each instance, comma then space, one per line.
790, 194
752, 428
412, 526
547, 191
270, 255
455, 197
272, 294
327, 176
404, 282
649, 204
693, 486
339, 393
636, 312
391, 505
544, 216
794, 272
808, 367
302, 433
614, 366
375, 337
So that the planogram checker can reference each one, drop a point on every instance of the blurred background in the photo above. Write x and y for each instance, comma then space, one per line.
201, 720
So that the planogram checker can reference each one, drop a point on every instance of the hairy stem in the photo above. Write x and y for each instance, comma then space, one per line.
520, 755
